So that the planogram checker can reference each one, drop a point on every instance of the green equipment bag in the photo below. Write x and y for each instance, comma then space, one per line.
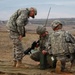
43, 61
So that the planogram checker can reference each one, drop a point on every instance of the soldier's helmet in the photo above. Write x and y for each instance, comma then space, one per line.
35, 10
55, 23
40, 30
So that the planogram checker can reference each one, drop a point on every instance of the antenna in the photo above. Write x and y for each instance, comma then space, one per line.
47, 17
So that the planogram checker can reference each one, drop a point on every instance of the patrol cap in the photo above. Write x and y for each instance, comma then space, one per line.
35, 11
40, 30
55, 23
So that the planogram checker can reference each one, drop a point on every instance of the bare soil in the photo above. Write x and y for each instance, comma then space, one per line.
6, 58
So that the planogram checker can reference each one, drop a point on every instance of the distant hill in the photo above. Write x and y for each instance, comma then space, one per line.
69, 24
3, 22
65, 21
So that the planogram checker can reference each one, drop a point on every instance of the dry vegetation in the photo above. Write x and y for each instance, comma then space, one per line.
6, 52
6, 55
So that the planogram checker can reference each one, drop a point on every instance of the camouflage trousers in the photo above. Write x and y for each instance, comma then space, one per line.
51, 60
18, 49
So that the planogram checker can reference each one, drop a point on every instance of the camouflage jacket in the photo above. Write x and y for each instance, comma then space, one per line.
18, 20
59, 42
44, 42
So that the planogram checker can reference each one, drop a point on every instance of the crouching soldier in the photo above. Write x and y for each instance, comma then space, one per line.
60, 42
42, 55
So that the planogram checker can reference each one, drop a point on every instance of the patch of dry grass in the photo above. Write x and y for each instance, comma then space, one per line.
6, 44
6, 56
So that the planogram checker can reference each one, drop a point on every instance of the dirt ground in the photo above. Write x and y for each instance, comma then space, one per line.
6, 56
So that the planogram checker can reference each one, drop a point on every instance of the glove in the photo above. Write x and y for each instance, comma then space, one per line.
44, 52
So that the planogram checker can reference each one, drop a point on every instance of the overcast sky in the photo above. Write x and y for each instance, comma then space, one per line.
59, 8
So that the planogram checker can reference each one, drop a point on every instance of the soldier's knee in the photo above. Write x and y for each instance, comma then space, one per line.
33, 57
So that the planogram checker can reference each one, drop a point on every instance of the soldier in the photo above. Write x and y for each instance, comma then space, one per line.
16, 25
42, 55
59, 44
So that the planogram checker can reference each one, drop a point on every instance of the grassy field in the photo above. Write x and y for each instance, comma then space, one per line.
6, 52
6, 43
6, 55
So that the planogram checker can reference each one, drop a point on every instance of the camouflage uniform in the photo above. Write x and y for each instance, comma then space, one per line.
59, 41
44, 45
16, 26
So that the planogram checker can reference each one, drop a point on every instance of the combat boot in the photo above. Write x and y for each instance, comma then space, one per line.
20, 65
14, 63
58, 66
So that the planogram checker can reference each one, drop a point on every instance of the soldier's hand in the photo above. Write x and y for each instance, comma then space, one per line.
20, 37
44, 52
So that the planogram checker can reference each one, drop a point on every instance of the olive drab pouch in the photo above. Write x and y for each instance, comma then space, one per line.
43, 61
51, 60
